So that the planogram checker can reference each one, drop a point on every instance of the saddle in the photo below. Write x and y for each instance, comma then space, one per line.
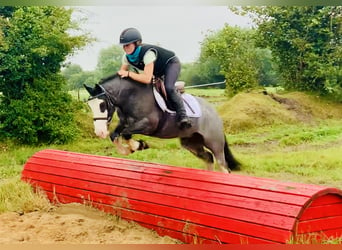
191, 104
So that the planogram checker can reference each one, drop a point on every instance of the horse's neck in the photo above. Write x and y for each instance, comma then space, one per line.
121, 88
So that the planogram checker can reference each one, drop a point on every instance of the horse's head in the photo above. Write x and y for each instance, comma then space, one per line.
102, 107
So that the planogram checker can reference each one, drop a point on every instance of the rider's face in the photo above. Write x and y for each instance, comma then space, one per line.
129, 48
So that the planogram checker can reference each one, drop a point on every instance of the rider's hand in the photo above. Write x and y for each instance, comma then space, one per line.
123, 73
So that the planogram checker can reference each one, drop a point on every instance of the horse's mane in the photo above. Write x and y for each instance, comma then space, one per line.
108, 78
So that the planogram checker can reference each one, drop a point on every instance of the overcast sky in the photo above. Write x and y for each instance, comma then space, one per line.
179, 28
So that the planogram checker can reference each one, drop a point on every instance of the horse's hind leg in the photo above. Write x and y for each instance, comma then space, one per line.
219, 156
217, 148
195, 145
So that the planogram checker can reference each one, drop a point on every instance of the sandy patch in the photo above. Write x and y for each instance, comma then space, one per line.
74, 223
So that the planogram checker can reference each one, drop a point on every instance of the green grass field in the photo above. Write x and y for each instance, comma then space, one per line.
297, 139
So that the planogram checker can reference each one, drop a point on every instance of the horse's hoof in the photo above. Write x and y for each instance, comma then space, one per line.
142, 145
121, 149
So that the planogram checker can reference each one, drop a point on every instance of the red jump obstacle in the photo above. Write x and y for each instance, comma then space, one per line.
194, 206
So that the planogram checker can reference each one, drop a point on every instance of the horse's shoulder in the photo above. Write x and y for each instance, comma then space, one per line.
138, 85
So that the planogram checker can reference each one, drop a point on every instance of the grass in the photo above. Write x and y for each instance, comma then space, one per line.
18, 196
315, 238
310, 154
321, 167
300, 141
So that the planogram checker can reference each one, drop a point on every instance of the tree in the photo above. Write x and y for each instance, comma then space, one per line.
73, 74
306, 41
33, 106
109, 61
201, 73
71, 70
7, 11
232, 50
268, 68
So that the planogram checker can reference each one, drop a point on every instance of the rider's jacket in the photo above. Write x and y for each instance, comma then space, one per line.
163, 57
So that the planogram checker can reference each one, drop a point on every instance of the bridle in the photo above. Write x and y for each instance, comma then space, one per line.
110, 104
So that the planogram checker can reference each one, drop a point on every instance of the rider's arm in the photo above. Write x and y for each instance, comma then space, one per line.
124, 67
145, 76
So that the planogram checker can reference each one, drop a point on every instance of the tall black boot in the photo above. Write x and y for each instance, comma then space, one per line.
183, 120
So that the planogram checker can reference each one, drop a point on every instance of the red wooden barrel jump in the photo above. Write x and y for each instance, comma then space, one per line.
194, 206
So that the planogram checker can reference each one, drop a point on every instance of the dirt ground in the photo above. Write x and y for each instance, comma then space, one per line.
74, 223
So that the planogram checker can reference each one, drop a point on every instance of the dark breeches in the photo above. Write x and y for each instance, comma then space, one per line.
172, 71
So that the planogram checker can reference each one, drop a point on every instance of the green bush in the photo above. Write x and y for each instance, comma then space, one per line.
34, 42
43, 115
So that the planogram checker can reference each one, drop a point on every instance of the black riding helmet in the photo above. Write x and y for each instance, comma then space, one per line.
130, 35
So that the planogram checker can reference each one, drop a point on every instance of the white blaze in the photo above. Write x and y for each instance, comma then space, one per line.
100, 125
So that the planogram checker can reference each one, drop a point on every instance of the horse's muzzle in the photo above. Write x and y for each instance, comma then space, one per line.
101, 128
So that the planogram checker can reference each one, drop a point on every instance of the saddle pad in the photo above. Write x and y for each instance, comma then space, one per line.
191, 105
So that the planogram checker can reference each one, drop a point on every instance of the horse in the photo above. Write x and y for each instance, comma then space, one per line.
139, 113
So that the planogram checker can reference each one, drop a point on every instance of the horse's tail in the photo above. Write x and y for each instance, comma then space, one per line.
233, 164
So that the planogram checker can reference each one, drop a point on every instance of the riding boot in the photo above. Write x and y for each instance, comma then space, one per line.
183, 120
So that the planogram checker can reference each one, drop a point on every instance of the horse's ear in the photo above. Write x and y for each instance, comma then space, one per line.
90, 90
94, 91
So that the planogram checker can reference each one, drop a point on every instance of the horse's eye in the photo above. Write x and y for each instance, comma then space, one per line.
103, 106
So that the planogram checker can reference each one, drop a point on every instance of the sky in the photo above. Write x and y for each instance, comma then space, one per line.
177, 28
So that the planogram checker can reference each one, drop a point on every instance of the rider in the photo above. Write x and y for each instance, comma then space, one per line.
150, 60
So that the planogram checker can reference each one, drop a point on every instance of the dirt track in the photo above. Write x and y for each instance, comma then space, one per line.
74, 223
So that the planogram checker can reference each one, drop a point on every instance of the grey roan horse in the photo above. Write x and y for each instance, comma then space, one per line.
140, 114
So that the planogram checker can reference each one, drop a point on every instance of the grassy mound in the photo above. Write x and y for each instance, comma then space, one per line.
247, 111
318, 108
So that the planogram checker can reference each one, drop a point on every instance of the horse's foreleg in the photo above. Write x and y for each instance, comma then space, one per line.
142, 126
116, 138
133, 144
128, 145
120, 148
117, 131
